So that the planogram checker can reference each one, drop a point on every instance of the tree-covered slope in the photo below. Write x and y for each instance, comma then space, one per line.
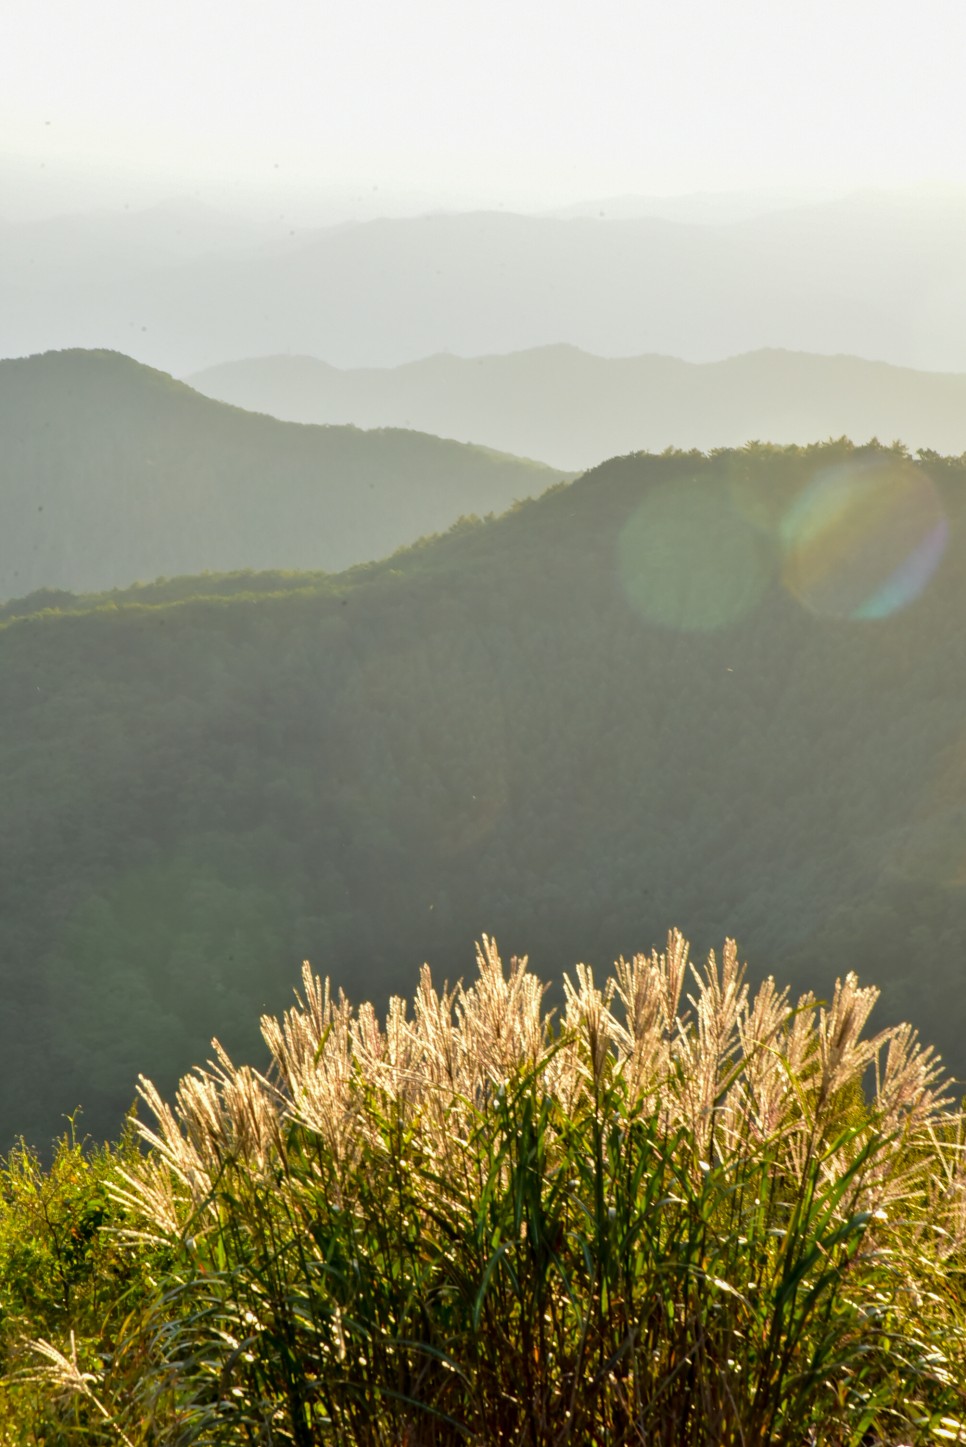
727, 690
568, 407
112, 473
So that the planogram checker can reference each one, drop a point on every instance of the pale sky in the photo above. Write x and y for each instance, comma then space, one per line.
525, 101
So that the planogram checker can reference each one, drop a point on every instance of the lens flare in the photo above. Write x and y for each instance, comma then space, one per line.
863, 540
687, 559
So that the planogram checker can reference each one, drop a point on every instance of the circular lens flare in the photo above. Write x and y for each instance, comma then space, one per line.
863, 539
687, 559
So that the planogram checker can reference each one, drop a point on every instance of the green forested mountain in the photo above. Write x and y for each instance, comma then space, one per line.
573, 409
112, 473
727, 691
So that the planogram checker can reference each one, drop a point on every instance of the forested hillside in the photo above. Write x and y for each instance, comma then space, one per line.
726, 690
573, 409
111, 473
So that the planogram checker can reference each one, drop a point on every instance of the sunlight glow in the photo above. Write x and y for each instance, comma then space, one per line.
687, 559
863, 540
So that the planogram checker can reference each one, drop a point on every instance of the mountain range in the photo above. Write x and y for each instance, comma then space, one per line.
875, 275
574, 410
111, 473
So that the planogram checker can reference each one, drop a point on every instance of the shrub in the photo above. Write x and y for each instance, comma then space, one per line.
63, 1276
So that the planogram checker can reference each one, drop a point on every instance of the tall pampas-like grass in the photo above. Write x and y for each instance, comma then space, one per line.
680, 1214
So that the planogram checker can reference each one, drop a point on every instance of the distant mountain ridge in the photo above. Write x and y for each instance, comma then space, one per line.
111, 472
872, 275
575, 410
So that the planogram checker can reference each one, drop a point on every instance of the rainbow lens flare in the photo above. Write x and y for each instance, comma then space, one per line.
863, 539
687, 559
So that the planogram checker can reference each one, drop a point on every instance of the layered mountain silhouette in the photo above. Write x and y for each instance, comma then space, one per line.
875, 275
574, 410
111, 472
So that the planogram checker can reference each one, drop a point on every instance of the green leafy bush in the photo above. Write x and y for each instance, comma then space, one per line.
67, 1274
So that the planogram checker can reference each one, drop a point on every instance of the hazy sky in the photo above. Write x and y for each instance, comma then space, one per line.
537, 101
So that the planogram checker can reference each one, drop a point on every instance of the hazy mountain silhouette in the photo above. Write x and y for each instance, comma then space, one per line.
111, 472
702, 207
573, 410
874, 275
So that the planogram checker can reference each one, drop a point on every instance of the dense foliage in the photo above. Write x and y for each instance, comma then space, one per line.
671, 1216
111, 472
550, 725
64, 1269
